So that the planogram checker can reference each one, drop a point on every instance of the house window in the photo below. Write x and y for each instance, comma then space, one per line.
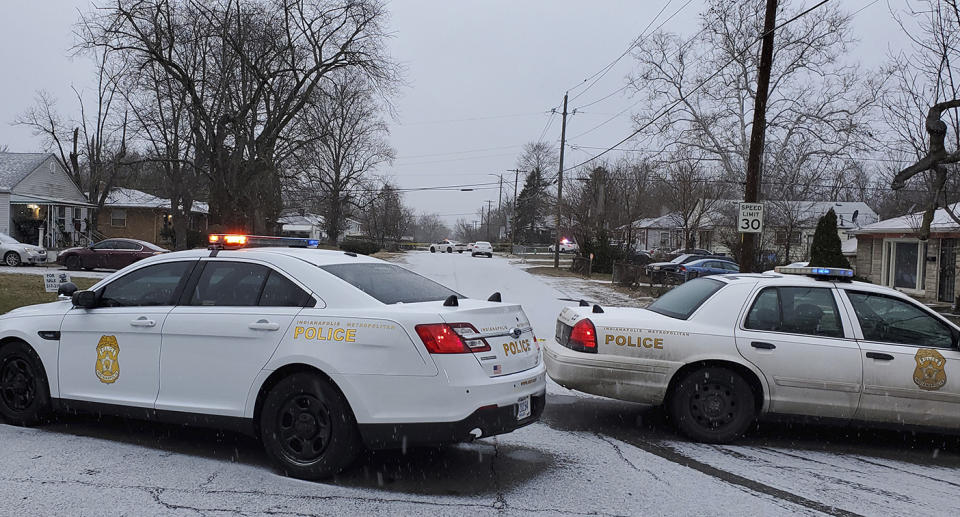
664, 239
904, 264
781, 237
77, 218
118, 218
61, 217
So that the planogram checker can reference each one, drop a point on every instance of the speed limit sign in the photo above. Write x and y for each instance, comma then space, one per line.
751, 218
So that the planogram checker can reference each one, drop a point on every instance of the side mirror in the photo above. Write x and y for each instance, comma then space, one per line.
84, 299
67, 289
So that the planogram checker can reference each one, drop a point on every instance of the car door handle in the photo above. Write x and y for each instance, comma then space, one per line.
142, 321
879, 356
264, 325
763, 345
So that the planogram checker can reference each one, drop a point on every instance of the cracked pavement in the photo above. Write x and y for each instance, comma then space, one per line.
587, 456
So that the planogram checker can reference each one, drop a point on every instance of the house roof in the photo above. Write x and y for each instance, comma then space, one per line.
845, 210
668, 221
131, 198
14, 167
300, 219
942, 222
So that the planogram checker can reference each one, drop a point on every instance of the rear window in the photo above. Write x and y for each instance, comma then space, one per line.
683, 300
389, 283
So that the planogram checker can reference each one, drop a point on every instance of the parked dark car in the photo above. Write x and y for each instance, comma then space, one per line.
108, 254
705, 267
659, 271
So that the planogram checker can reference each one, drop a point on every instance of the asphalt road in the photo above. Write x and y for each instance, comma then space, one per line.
587, 456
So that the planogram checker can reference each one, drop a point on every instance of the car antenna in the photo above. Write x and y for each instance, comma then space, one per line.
583, 303
495, 297
597, 309
451, 301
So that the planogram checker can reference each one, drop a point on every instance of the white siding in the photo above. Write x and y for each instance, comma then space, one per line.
49, 180
5, 213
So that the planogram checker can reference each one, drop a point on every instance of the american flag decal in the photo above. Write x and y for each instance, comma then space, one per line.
497, 368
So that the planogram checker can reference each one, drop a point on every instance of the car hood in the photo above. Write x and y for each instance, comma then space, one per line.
40, 309
22, 246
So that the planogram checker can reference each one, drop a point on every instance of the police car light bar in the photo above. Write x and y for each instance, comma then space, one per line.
234, 241
835, 272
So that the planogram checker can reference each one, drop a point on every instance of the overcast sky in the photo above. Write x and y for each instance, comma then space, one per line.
483, 75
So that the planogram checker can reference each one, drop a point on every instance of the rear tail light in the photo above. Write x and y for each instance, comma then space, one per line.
583, 337
683, 268
443, 338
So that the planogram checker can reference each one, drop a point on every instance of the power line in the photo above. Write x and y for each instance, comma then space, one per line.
694, 90
469, 119
657, 151
465, 151
643, 34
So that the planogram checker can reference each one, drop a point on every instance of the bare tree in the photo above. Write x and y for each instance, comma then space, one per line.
248, 68
92, 147
692, 192
348, 142
818, 108
921, 109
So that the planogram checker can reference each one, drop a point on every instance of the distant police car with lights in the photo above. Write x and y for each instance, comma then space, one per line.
315, 352
718, 352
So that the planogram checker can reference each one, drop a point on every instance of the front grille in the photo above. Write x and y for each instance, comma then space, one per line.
563, 333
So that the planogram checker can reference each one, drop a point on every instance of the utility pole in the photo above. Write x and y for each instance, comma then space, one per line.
751, 192
513, 223
563, 142
489, 205
500, 208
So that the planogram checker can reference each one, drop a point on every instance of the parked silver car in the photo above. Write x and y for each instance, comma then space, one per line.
14, 252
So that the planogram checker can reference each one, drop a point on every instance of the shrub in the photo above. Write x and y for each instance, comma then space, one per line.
359, 246
826, 251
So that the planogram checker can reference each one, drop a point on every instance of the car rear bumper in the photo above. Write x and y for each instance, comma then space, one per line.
490, 421
605, 376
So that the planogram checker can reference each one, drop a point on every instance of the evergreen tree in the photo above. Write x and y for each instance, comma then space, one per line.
530, 206
825, 251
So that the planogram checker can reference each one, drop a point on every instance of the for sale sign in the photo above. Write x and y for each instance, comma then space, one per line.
53, 280
751, 218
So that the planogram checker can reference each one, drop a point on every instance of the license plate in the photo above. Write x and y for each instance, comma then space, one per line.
523, 408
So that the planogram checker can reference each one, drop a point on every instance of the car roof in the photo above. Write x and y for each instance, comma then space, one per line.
774, 278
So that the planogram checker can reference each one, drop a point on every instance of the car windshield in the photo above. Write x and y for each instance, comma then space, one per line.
389, 283
683, 300
482, 243
6, 239
680, 259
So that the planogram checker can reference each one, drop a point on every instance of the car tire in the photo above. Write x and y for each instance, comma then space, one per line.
24, 391
449, 250
459, 251
432, 249
73, 263
304, 413
489, 255
12, 259
713, 405
473, 254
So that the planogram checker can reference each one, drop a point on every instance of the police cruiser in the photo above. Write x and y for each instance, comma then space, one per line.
315, 352
719, 352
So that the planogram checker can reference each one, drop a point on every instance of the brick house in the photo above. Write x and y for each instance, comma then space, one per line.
889, 253
137, 215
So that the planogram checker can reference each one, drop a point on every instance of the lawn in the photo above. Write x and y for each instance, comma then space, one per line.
18, 290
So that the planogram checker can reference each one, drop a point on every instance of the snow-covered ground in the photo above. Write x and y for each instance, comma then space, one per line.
587, 456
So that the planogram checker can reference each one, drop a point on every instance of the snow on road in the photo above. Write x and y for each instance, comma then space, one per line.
587, 456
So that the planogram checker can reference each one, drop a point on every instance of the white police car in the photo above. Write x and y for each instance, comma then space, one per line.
315, 352
718, 352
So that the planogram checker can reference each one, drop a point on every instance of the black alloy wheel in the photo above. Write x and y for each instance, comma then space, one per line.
12, 259
713, 404
307, 427
24, 394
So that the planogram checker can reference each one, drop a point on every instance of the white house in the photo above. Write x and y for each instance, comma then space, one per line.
39, 202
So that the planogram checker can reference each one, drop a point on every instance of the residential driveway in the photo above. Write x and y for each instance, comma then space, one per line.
587, 456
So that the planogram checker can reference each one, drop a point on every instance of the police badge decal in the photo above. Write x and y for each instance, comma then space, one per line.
930, 374
108, 363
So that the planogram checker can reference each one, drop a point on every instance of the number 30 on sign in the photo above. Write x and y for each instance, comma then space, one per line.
751, 218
